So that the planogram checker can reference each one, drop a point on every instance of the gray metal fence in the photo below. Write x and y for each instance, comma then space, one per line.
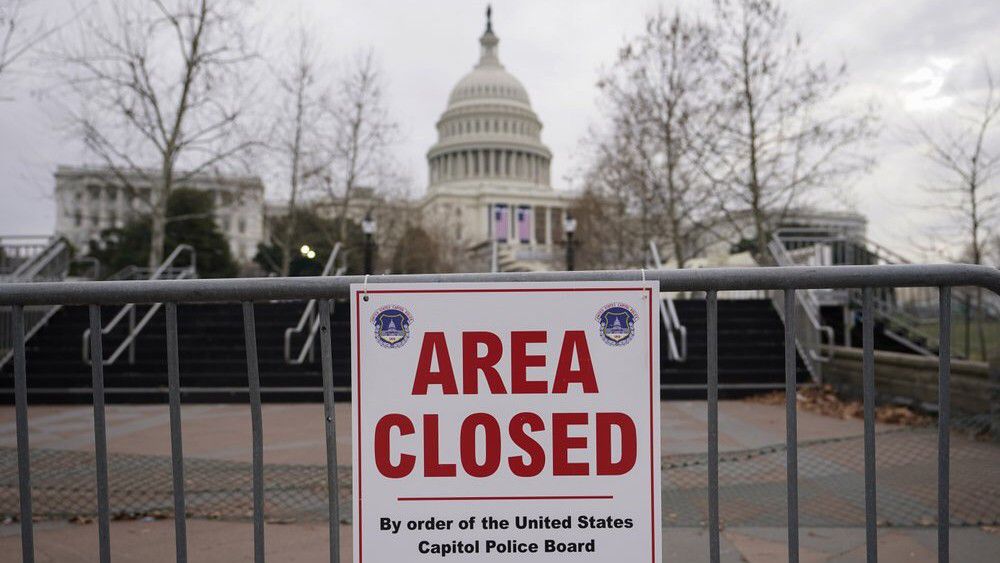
247, 291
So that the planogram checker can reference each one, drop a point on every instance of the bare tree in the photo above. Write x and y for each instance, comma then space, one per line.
159, 89
299, 136
649, 159
780, 138
19, 35
966, 152
362, 133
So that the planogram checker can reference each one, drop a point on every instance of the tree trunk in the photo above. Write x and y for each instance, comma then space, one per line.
981, 323
288, 246
159, 231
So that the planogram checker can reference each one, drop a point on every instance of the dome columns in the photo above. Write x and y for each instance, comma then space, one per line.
512, 164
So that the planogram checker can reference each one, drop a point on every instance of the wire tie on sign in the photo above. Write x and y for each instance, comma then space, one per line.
365, 289
643, 272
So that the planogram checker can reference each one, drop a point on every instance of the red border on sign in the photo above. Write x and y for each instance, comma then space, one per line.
357, 324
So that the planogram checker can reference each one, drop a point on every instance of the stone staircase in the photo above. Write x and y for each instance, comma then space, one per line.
213, 361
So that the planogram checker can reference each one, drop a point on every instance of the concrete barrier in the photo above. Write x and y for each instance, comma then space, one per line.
913, 377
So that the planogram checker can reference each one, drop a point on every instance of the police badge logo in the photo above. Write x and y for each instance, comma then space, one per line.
392, 326
617, 323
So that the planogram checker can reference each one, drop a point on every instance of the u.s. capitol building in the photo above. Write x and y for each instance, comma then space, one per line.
489, 172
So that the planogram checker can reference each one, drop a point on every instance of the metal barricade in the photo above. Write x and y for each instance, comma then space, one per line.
788, 280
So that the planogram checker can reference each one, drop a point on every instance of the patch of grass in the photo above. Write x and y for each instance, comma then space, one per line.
991, 330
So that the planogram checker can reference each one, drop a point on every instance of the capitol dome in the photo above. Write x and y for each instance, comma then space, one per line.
488, 129
489, 192
489, 81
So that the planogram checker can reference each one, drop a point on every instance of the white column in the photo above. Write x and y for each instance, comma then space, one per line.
532, 225
514, 239
548, 226
503, 163
479, 160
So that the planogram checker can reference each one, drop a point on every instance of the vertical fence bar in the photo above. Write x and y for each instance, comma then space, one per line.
23, 452
257, 428
176, 443
868, 386
712, 306
332, 474
100, 434
791, 429
944, 420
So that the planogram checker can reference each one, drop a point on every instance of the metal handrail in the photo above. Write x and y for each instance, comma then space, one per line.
164, 272
51, 263
310, 313
668, 315
894, 307
809, 338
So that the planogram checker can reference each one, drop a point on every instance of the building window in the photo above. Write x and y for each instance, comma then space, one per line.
242, 225
77, 218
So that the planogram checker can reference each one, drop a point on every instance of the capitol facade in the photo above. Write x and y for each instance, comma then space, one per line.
489, 174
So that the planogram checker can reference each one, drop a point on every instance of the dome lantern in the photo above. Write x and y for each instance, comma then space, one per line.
489, 40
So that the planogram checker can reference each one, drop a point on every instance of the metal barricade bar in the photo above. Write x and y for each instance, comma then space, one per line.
712, 368
100, 436
332, 476
21, 415
868, 397
791, 429
176, 442
257, 428
944, 420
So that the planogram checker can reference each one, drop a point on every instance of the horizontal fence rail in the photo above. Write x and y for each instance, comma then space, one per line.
718, 279
709, 281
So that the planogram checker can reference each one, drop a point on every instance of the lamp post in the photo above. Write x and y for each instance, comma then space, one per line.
569, 226
368, 227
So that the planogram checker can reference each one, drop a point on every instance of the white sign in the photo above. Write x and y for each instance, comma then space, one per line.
515, 422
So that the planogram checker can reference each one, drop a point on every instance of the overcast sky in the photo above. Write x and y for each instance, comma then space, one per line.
914, 57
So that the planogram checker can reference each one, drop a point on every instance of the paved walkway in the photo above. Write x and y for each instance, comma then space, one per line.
293, 434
